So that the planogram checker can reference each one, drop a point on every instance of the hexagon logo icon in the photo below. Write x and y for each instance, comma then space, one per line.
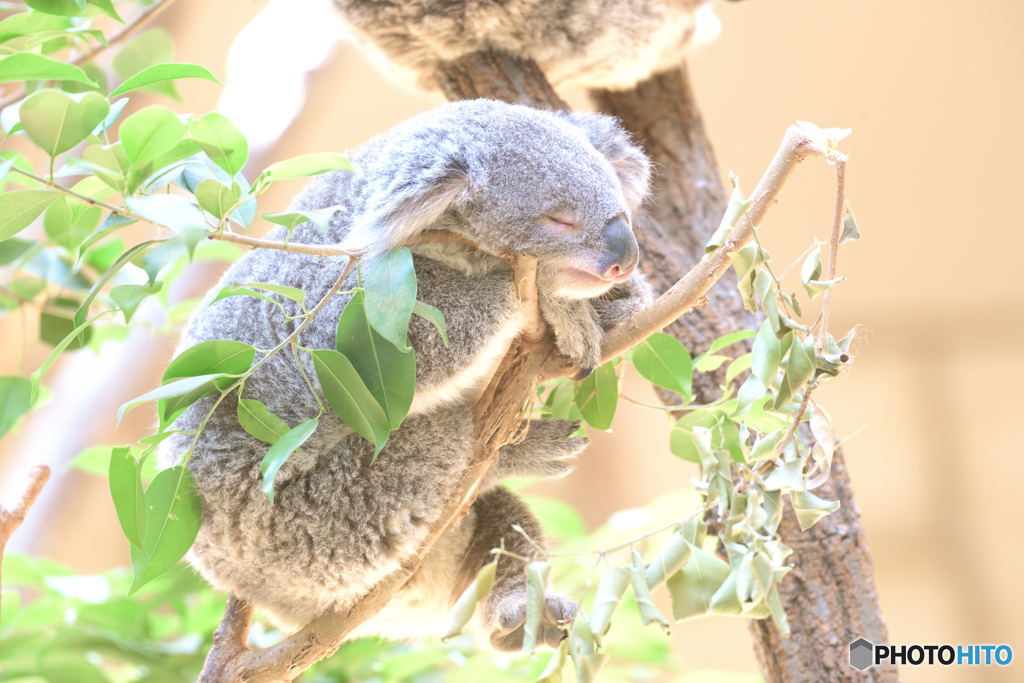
861, 654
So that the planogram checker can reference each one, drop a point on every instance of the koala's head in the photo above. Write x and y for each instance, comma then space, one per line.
561, 187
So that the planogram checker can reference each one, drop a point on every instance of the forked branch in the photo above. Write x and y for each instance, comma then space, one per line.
497, 420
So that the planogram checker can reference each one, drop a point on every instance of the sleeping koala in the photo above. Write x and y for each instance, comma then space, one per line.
592, 43
562, 187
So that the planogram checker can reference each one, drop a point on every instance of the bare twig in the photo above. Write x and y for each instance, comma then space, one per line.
140, 20
12, 516
833, 247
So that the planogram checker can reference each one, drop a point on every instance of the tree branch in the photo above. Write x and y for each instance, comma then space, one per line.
12, 516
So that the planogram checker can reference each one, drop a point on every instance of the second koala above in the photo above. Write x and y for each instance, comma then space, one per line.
593, 43
561, 187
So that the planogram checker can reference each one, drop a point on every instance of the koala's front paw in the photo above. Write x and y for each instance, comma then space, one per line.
547, 451
510, 618
577, 330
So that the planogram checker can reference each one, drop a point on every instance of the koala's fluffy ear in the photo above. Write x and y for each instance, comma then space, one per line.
616, 144
415, 195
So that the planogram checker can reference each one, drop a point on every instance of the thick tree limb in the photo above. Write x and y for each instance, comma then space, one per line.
11, 516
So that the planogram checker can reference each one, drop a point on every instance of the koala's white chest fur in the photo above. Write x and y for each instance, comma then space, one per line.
469, 383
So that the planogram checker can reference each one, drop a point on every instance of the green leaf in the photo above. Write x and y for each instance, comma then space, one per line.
174, 512
765, 355
390, 284
851, 231
681, 441
642, 593
221, 141
158, 73
663, 360
174, 212
150, 132
128, 297
15, 401
671, 556
301, 167
180, 387
389, 374
216, 198
800, 365
464, 607
124, 473
706, 363
74, 8
57, 121
738, 366
350, 399
54, 328
257, 419
218, 357
293, 293
730, 339
537, 573
434, 316
28, 66
609, 593
766, 446
19, 208
597, 397
321, 218
809, 508
276, 456
693, 586
28, 23
70, 224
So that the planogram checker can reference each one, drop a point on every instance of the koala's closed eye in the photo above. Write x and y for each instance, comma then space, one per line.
561, 224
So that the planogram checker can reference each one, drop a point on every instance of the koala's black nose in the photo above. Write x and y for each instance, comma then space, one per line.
621, 252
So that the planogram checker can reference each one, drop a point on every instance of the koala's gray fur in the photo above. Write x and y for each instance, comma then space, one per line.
593, 43
490, 172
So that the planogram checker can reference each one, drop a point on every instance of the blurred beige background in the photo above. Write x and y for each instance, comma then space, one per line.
933, 94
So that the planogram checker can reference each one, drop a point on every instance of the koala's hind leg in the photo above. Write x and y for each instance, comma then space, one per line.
495, 512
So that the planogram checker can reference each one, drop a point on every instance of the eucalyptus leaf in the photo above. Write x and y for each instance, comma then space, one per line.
434, 316
221, 141
57, 121
278, 454
15, 401
389, 374
609, 594
28, 66
162, 72
150, 132
124, 474
537, 573
465, 606
258, 420
663, 360
693, 586
349, 397
390, 285
597, 397
19, 208
174, 512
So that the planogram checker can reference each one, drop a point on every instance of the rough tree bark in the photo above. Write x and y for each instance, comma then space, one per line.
830, 598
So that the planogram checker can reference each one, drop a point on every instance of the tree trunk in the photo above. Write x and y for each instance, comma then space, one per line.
830, 599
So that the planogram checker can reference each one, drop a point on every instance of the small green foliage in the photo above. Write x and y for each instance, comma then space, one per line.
350, 399
281, 450
598, 395
390, 285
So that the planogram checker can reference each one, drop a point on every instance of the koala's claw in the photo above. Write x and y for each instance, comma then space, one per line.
510, 619
547, 451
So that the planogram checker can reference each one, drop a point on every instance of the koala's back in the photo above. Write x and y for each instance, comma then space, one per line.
594, 43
